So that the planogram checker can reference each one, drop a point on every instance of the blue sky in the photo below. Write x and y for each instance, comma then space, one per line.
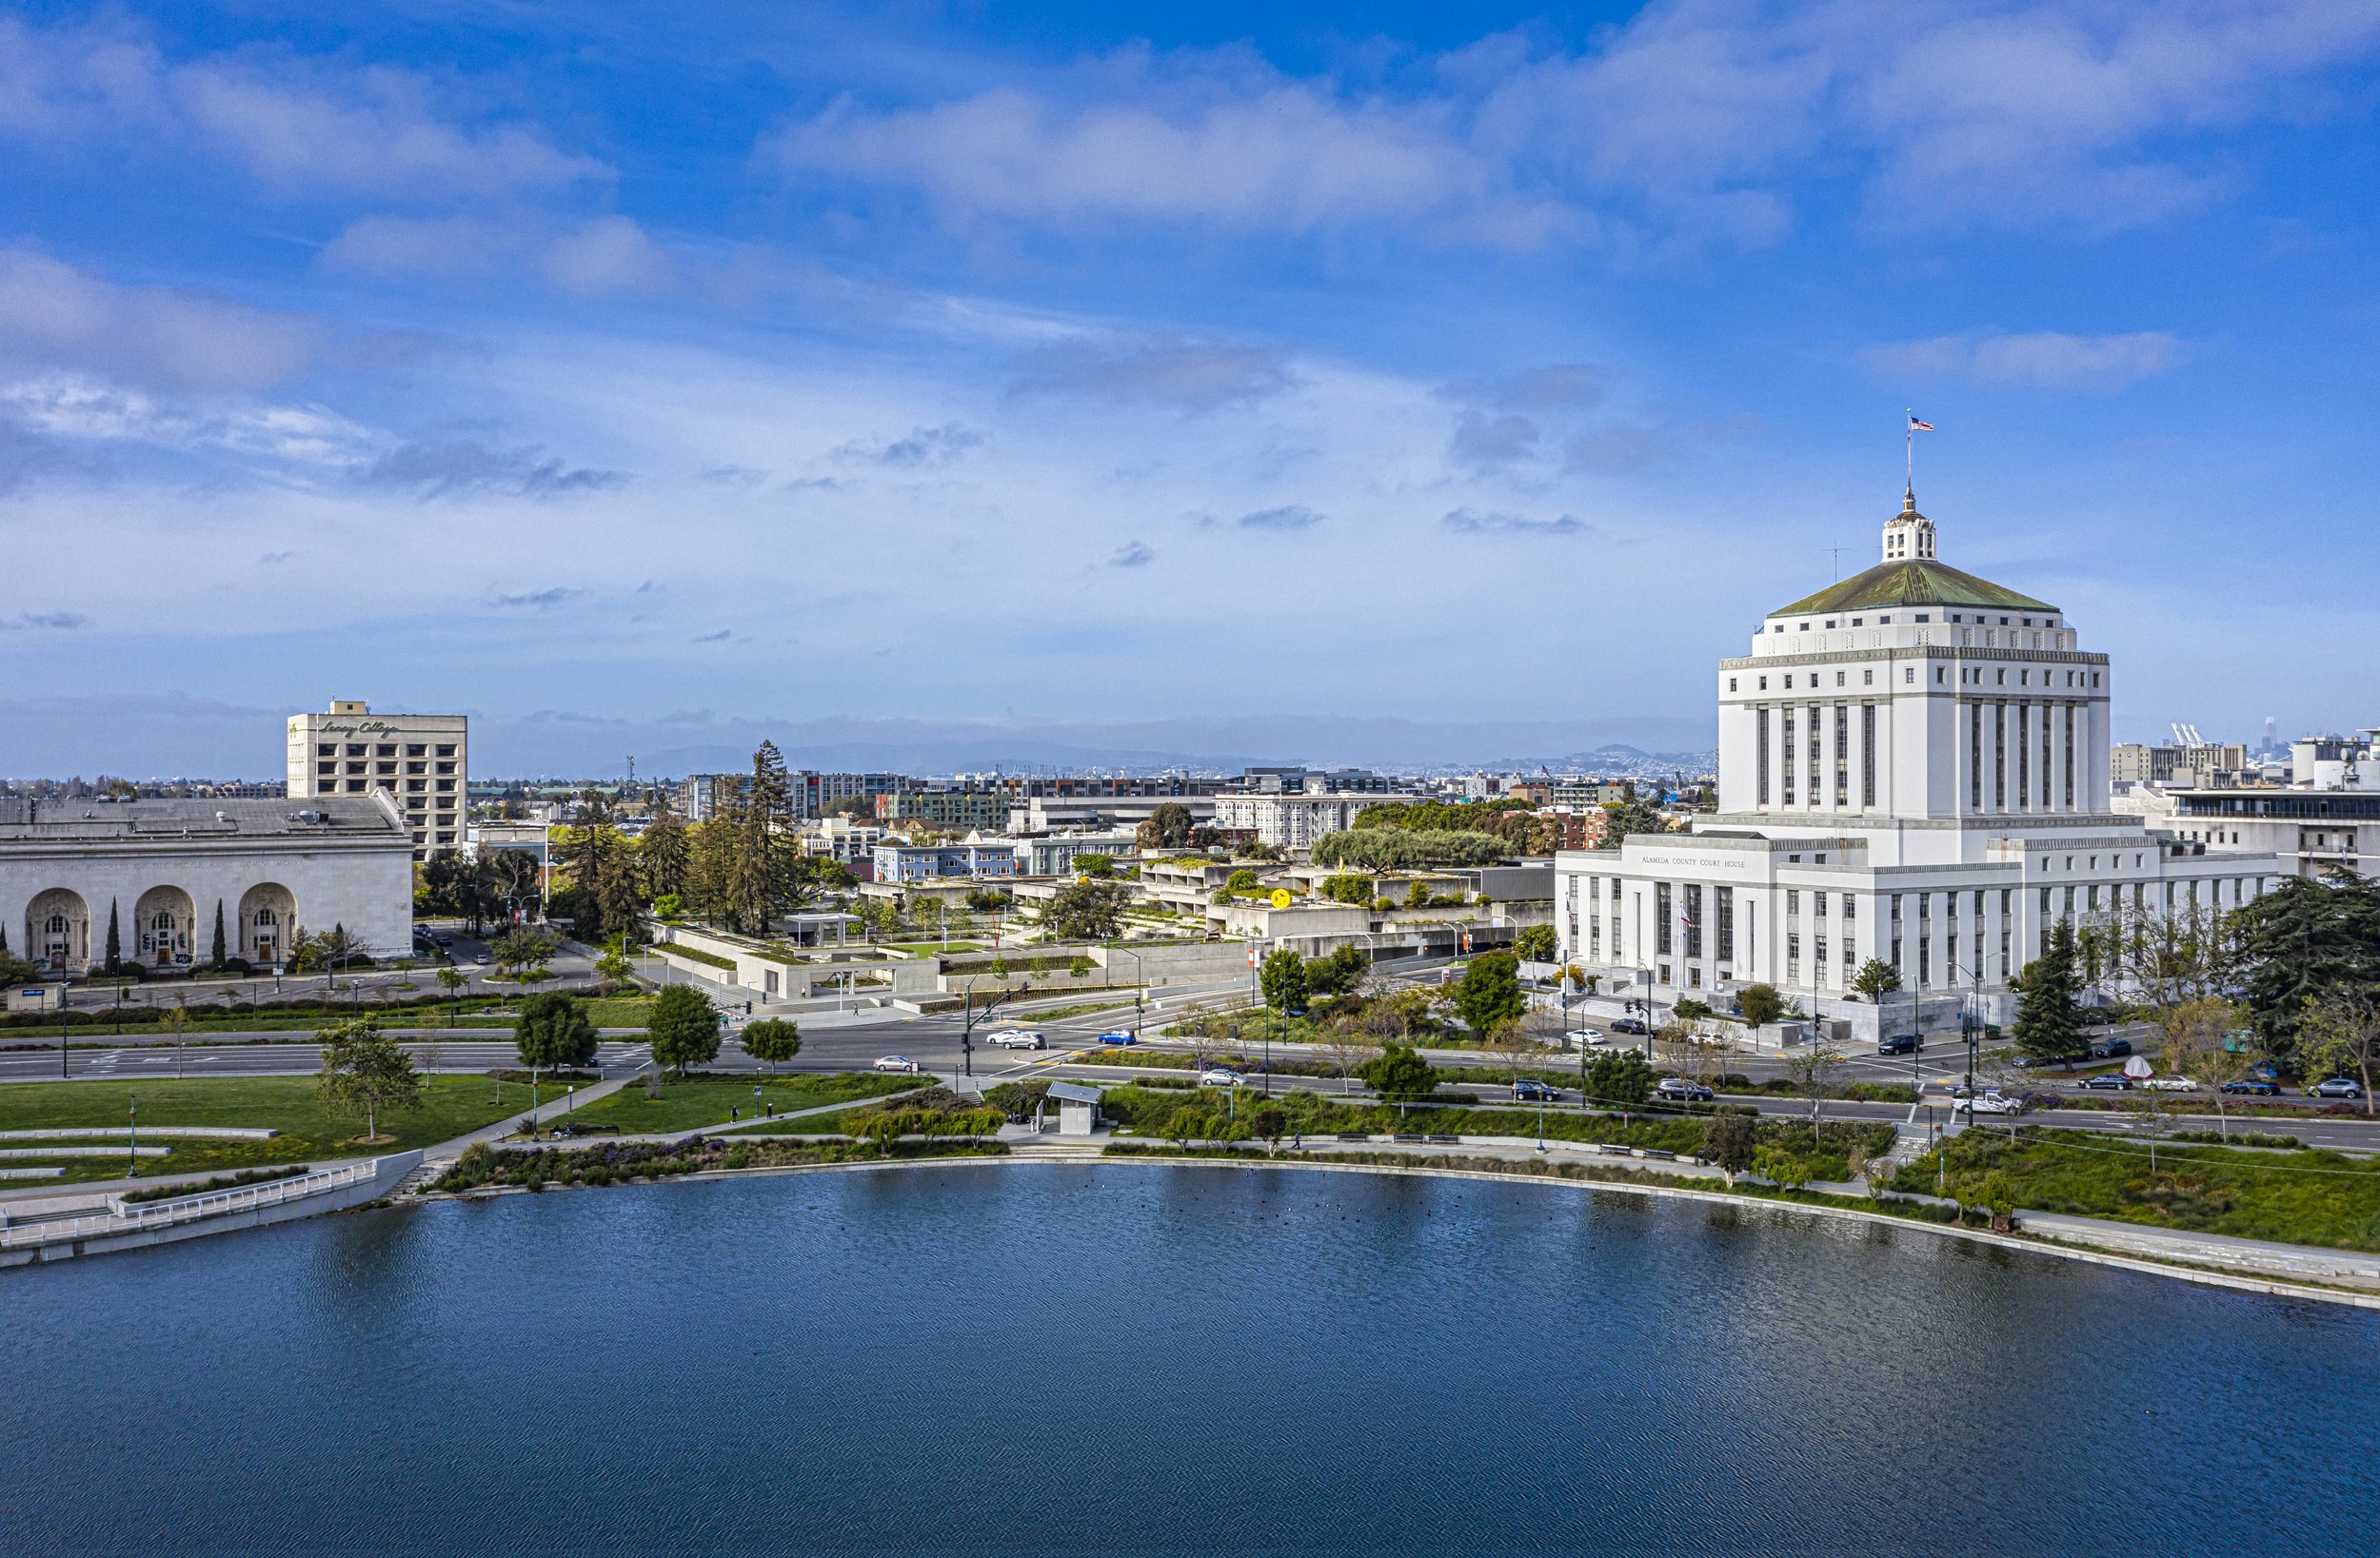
622, 377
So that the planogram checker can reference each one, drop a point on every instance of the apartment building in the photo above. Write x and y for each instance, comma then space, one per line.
420, 761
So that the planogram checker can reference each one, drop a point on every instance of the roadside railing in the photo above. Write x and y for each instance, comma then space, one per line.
139, 1216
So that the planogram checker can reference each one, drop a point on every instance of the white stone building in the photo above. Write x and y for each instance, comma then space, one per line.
422, 759
1913, 766
166, 867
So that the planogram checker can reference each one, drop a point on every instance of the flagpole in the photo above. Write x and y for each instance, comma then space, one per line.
1909, 447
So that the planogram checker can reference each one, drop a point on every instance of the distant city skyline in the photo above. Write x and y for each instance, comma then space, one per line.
1134, 366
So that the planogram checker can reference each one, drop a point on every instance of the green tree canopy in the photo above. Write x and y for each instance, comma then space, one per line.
1619, 1078
1388, 849
1169, 827
1632, 816
1534, 944
774, 1040
684, 1028
2048, 1026
364, 1072
1283, 977
1489, 995
1085, 911
1729, 1142
2301, 941
1399, 1074
553, 1031
1337, 973
1875, 979
1759, 1004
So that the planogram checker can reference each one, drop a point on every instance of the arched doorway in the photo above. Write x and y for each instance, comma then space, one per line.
163, 922
57, 930
267, 920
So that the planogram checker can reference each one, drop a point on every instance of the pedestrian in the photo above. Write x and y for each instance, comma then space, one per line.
771, 1112
732, 1114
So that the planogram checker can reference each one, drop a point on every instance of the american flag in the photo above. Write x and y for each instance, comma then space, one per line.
1919, 425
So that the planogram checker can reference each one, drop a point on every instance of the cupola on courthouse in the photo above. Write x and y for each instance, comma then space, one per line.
1913, 766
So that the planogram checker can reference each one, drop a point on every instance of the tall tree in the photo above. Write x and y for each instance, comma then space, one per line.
115, 941
2304, 939
1283, 979
364, 1072
683, 1028
761, 875
553, 1031
1168, 827
2339, 1035
662, 857
216, 955
2047, 1025
1489, 995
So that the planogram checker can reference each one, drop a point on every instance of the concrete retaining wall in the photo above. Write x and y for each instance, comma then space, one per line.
387, 1174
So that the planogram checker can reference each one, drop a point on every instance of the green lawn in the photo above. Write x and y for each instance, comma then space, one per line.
2298, 1198
309, 1130
704, 1100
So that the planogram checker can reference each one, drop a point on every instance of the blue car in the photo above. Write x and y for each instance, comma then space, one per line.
2254, 1087
1120, 1036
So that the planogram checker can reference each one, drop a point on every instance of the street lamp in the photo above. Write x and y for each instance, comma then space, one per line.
134, 1147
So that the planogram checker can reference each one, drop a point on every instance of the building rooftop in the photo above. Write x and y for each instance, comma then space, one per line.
1913, 582
332, 815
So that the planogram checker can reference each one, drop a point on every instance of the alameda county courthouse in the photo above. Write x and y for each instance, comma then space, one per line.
1913, 766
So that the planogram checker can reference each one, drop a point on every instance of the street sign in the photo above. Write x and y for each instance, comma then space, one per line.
1252, 958
1281, 898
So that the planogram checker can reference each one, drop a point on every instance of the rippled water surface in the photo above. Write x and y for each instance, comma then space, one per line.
1159, 1359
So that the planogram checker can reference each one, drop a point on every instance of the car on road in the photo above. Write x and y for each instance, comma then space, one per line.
442, 940
1900, 1044
2107, 1082
1630, 1025
1677, 1090
2112, 1048
897, 1062
1017, 1038
2254, 1087
2337, 1087
1529, 1090
1120, 1036
2170, 1084
1219, 1076
1579, 1038
480, 959
1989, 1103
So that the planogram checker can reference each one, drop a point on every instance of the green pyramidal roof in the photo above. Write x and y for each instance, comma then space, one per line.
1912, 584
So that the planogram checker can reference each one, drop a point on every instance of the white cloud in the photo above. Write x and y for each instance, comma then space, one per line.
55, 317
71, 407
1697, 118
301, 127
1193, 378
2042, 359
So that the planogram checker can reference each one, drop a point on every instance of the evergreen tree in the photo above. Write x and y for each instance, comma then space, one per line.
2047, 1025
217, 960
661, 856
2301, 942
682, 1029
760, 877
553, 1032
1283, 977
1489, 995
115, 940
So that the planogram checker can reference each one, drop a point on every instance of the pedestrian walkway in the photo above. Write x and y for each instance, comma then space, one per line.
2263, 1258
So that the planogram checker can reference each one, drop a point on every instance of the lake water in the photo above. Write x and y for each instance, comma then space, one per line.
1161, 1359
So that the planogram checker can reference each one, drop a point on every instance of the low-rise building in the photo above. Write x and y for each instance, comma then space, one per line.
1293, 820
167, 872
927, 862
2327, 817
1057, 814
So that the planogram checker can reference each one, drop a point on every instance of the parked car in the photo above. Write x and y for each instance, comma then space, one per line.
2107, 1082
1017, 1038
1677, 1090
897, 1062
2112, 1048
2254, 1087
1900, 1044
2337, 1087
1529, 1090
2170, 1084
1579, 1038
1219, 1076
1630, 1025
1989, 1103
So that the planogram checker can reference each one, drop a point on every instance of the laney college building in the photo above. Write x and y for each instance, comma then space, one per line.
1913, 766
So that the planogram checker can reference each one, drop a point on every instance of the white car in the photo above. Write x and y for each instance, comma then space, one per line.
1017, 1038
897, 1062
2170, 1084
1578, 1038
1219, 1076
1989, 1103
